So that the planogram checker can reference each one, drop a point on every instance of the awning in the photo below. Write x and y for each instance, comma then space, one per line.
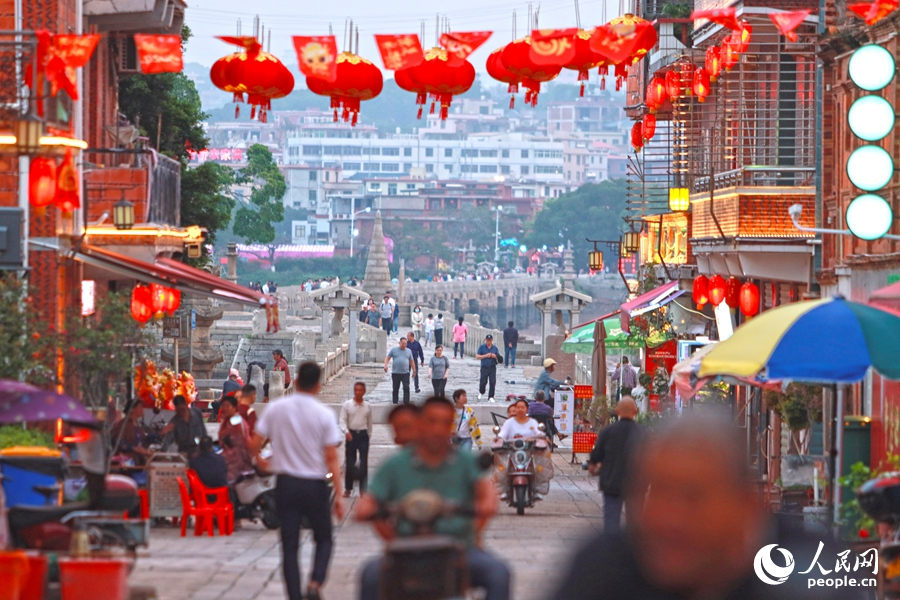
647, 302
581, 340
171, 273
887, 297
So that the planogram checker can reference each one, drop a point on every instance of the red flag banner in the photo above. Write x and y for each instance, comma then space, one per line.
726, 17
67, 53
248, 42
317, 56
460, 44
400, 51
553, 46
159, 53
608, 43
873, 12
786, 22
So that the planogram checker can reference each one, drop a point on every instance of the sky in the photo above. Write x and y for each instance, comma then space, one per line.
285, 18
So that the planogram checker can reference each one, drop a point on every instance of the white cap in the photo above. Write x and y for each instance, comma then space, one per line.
549, 363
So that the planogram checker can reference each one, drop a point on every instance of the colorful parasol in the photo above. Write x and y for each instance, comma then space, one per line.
23, 403
821, 341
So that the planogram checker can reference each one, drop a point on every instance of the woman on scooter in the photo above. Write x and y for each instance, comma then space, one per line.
521, 425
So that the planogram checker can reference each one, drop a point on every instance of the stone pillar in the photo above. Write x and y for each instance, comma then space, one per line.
326, 324
276, 385
546, 328
232, 255
354, 319
401, 282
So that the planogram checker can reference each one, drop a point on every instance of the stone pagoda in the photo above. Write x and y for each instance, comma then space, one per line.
378, 273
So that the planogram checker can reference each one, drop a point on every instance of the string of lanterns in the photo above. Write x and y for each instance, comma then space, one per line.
51, 184
736, 295
153, 300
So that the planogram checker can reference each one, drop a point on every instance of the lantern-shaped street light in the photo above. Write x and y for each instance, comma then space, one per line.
631, 241
123, 214
595, 260
679, 199
28, 135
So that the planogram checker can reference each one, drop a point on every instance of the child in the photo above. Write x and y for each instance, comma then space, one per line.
429, 329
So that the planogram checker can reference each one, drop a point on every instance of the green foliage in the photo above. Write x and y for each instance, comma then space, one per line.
412, 240
799, 407
254, 221
205, 197
592, 211
17, 435
295, 271
28, 347
853, 519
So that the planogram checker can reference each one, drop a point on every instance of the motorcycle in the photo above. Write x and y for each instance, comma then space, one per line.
880, 499
256, 499
520, 470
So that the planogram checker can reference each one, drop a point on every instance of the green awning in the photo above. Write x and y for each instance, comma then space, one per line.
582, 339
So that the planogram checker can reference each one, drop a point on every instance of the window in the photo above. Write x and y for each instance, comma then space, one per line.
487, 153
407, 167
370, 166
524, 153
312, 150
524, 170
484, 110
547, 154
352, 166
352, 150
469, 153
313, 196
505, 154
487, 169
448, 168
448, 152
546, 169
392, 189
504, 169
468, 168
429, 152
429, 168
332, 151
375, 186
327, 175
313, 175
300, 231
393, 167
390, 152
407, 152
373, 151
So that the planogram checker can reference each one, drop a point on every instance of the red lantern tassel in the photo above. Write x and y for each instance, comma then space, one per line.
419, 115
582, 77
512, 102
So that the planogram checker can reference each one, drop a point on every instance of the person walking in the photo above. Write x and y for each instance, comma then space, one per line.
489, 356
356, 424
510, 342
386, 312
418, 322
467, 429
305, 437
429, 329
460, 330
438, 369
402, 364
439, 330
418, 354
373, 316
609, 459
624, 379
396, 317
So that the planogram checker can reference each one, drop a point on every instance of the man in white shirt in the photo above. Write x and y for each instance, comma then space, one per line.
305, 438
356, 425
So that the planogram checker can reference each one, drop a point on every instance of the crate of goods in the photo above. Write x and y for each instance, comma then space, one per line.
163, 471
583, 442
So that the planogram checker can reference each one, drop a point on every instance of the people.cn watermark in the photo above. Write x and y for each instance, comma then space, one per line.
849, 571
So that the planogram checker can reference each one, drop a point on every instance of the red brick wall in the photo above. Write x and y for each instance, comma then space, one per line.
105, 187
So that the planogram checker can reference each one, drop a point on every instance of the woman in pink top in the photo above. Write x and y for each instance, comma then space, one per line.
459, 338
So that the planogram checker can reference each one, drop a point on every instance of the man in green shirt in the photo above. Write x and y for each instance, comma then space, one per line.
431, 463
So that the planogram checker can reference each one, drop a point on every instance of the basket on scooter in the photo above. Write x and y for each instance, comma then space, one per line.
880, 498
424, 568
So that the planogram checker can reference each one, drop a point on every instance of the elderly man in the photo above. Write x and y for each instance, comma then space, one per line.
547, 384
418, 355
489, 356
543, 413
402, 365
610, 458
701, 530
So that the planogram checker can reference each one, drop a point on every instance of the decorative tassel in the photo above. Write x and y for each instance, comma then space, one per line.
602, 83
335, 115
431, 112
419, 115
252, 112
581, 93
237, 111
512, 102
355, 118
444, 112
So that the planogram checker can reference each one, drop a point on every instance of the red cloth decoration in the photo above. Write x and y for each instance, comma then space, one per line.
787, 21
317, 56
460, 44
357, 80
400, 51
713, 62
552, 46
726, 17
701, 84
716, 290
516, 58
159, 53
442, 78
874, 12
57, 58
656, 94
637, 136
496, 70
749, 299
67, 192
732, 292
648, 126
701, 291
141, 303
41, 182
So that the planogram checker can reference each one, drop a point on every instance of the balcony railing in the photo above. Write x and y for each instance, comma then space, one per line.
759, 176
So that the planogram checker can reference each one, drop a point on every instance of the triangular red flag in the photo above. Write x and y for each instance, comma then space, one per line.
248, 42
553, 46
400, 51
726, 17
317, 56
460, 44
874, 11
787, 21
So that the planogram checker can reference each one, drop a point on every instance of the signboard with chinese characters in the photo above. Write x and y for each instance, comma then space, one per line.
172, 327
227, 155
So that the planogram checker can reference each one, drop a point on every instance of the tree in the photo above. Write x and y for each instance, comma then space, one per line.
254, 221
206, 198
28, 344
592, 211
412, 239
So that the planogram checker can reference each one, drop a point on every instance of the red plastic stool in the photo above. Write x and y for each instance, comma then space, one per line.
145, 503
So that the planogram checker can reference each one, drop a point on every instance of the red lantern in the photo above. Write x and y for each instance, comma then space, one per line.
68, 196
357, 80
141, 304
219, 74
171, 301
157, 298
749, 299
730, 54
743, 36
637, 136
732, 292
516, 58
442, 78
406, 83
496, 70
701, 84
643, 38
716, 290
656, 93
701, 291
41, 182
262, 77
674, 89
585, 58
648, 126
713, 62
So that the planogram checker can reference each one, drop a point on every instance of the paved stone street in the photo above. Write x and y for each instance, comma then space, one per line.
247, 565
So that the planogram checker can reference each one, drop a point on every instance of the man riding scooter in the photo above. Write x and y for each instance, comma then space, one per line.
431, 463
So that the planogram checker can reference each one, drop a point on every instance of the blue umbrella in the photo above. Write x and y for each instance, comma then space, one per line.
23, 403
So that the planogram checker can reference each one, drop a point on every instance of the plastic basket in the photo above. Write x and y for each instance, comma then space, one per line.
163, 471
90, 579
14, 569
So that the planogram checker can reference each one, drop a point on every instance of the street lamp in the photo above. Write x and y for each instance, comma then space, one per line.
498, 209
353, 231
28, 131
123, 214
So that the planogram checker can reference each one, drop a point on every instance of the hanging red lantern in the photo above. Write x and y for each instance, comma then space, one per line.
749, 299
496, 70
41, 182
172, 301
713, 62
637, 136
743, 37
219, 75
406, 83
716, 290
516, 58
701, 84
585, 58
357, 80
732, 292
730, 54
68, 196
674, 89
648, 126
701, 291
627, 33
262, 77
656, 93
441, 78
157, 298
141, 303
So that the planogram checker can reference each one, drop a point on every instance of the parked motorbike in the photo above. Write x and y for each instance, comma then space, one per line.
518, 464
880, 499
256, 499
